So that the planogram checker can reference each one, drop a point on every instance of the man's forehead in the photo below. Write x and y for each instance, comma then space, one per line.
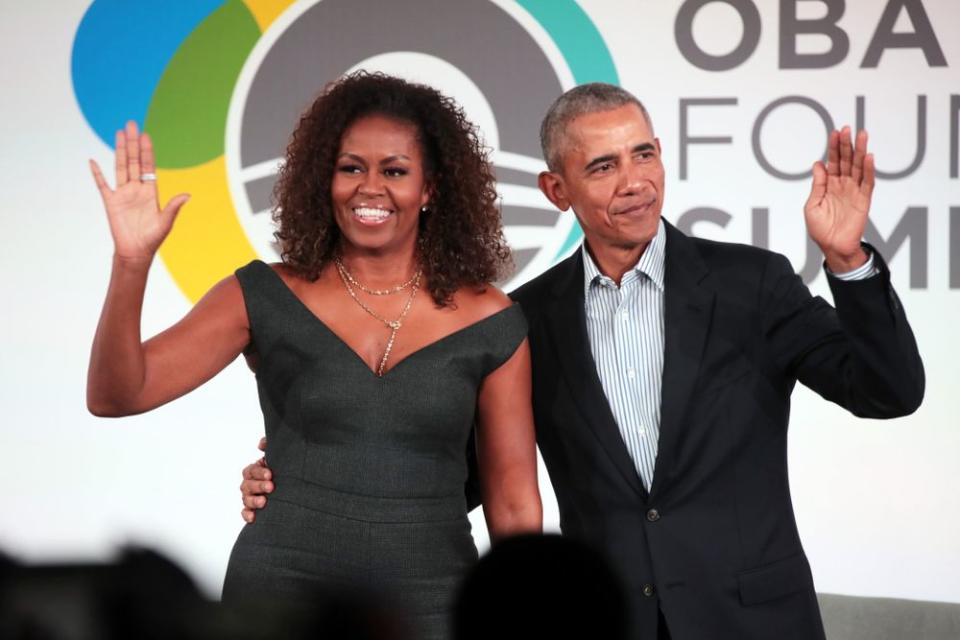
617, 127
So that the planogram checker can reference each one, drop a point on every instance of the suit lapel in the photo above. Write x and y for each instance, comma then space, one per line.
568, 327
688, 309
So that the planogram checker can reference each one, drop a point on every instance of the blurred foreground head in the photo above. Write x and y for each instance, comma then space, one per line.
143, 595
541, 587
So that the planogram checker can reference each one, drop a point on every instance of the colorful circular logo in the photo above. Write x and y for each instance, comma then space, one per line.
220, 85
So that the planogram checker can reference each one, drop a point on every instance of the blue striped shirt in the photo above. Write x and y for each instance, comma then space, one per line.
625, 329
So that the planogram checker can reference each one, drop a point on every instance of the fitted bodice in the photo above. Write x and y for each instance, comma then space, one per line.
333, 425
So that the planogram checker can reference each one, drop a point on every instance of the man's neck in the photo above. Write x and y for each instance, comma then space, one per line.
614, 261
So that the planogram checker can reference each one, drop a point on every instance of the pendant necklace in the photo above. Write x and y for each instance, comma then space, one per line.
394, 325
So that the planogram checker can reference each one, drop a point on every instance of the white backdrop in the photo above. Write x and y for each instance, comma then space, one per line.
876, 501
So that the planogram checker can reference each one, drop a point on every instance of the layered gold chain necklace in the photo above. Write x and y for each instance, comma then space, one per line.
394, 325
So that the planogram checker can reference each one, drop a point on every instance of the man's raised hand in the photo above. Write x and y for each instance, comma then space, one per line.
839, 203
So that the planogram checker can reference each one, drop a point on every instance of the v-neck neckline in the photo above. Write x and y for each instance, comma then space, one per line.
318, 321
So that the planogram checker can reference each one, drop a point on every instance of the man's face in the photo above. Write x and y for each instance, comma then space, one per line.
612, 176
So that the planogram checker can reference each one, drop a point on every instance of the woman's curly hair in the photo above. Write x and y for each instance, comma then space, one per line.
460, 238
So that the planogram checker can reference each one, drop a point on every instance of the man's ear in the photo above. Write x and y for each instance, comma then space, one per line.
552, 186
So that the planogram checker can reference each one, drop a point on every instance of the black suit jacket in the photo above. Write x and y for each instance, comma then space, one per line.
714, 544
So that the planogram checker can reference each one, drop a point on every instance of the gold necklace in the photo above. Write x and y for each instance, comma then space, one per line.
374, 292
393, 325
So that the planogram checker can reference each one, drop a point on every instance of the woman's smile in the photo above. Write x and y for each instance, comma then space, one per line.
371, 216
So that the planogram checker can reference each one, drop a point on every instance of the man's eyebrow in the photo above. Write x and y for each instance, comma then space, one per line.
610, 157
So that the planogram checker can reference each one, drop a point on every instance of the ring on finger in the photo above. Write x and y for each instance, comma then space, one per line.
148, 177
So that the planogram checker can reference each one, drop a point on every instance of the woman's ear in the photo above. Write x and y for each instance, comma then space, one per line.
426, 197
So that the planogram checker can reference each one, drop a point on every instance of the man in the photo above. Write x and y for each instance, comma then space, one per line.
663, 369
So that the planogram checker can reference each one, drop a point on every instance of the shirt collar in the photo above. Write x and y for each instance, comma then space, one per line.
651, 264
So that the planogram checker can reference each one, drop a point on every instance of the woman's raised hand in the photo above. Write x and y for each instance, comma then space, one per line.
137, 223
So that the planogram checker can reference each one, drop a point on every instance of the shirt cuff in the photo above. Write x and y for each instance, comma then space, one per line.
864, 271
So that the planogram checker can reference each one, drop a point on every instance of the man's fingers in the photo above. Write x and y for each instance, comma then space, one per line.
248, 515
846, 152
819, 186
254, 502
833, 153
859, 154
869, 176
254, 487
256, 471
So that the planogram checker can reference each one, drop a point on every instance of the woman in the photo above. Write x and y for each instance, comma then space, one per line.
374, 343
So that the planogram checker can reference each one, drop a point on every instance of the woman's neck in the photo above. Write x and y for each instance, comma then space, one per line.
379, 269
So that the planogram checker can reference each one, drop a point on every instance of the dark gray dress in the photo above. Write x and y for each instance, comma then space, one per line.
369, 471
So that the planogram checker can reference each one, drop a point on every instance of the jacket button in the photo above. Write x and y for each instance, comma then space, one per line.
653, 515
648, 590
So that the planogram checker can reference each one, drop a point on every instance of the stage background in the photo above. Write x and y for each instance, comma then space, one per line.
877, 502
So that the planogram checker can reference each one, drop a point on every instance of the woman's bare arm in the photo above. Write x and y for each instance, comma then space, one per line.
128, 377
507, 450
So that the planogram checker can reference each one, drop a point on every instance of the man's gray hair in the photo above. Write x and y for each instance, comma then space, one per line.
581, 100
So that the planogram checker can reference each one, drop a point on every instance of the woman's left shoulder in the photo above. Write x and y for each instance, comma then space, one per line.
480, 303
505, 326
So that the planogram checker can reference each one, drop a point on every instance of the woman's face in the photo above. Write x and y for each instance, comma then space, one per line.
379, 184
